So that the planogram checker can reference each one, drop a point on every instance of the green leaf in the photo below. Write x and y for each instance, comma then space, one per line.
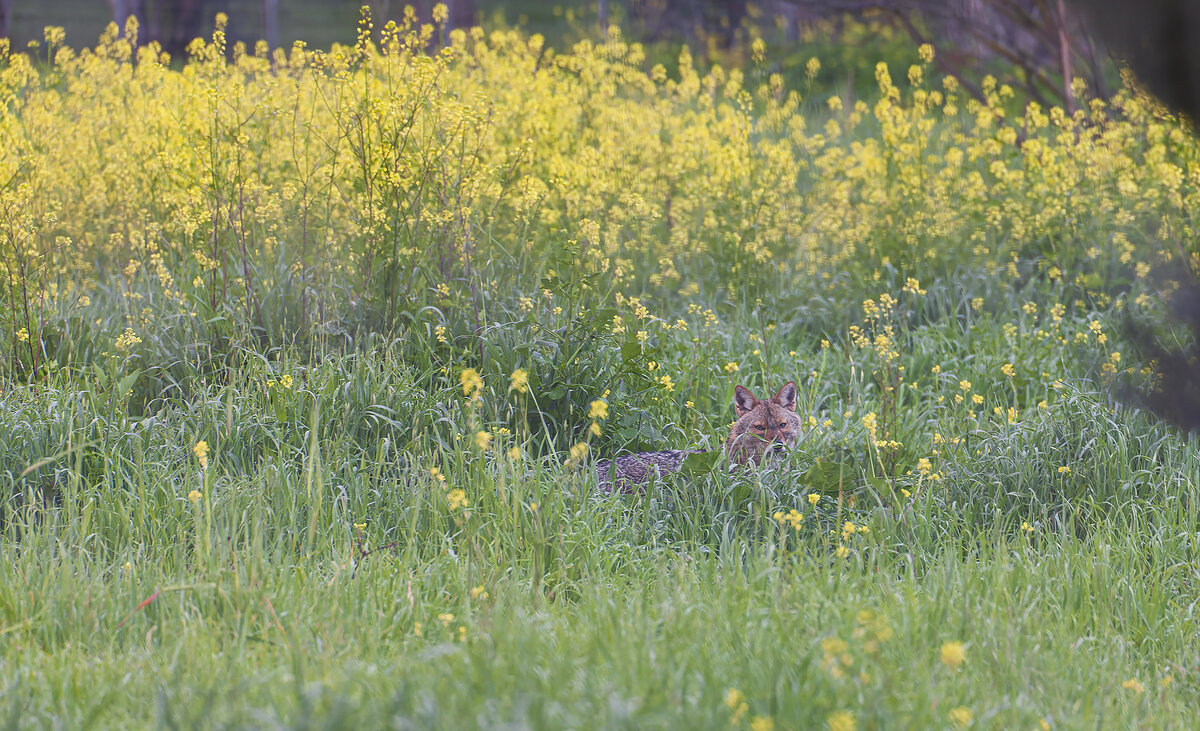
630, 350
700, 463
828, 477
126, 383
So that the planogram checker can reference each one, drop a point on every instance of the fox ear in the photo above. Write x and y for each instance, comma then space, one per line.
743, 400
787, 396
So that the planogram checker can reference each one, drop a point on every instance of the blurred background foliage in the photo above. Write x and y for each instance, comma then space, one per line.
1032, 45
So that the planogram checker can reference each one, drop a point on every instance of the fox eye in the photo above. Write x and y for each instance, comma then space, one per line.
759, 427
783, 425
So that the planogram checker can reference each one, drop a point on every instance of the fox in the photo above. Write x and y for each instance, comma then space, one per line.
764, 429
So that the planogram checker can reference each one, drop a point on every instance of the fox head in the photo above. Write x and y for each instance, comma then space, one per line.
763, 428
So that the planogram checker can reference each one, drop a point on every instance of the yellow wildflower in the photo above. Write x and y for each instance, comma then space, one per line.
471, 382
201, 452
762, 723
841, 721
483, 439
953, 654
457, 498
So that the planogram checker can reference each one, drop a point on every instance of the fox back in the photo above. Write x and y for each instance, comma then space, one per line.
764, 429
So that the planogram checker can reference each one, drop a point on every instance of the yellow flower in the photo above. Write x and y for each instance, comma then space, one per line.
360, 527
758, 50
964, 385
514, 453
579, 451
666, 381
194, 496
961, 716
22, 335
841, 721
471, 382
734, 698
792, 517
127, 340
813, 498
479, 592
483, 439
1133, 684
736, 702
925, 51
762, 723
598, 410
457, 498
953, 654
201, 452
731, 367
1064, 470
445, 618
1008, 370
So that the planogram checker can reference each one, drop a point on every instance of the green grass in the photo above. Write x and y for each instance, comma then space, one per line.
272, 609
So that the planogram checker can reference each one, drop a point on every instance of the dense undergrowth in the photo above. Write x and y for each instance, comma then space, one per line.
306, 355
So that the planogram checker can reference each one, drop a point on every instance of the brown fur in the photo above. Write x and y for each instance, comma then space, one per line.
763, 429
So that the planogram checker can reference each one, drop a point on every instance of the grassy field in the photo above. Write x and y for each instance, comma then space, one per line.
306, 360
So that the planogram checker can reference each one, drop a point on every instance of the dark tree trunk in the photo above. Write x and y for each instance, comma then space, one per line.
6, 8
271, 22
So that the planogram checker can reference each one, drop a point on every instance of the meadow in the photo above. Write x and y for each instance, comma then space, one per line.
306, 356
